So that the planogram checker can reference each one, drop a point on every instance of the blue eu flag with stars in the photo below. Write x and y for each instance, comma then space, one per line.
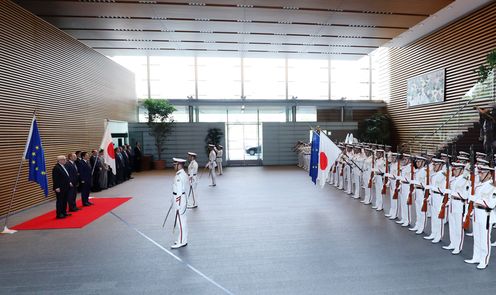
36, 157
314, 157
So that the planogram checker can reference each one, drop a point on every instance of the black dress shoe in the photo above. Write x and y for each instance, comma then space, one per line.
67, 214
89, 203
60, 216
74, 209
86, 204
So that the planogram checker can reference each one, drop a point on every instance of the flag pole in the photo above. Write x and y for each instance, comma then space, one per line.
6, 230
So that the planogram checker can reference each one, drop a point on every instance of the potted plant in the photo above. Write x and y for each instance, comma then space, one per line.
160, 122
485, 69
376, 128
214, 136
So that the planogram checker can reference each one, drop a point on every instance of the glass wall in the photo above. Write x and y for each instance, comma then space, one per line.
219, 78
182, 77
308, 79
172, 77
264, 78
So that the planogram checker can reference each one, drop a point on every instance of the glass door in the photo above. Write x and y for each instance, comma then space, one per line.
244, 138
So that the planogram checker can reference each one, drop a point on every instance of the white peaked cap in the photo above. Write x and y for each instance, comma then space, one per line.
178, 160
192, 154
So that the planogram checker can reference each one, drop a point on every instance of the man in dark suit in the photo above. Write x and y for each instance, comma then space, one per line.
85, 178
137, 157
71, 167
119, 163
96, 168
61, 185
78, 162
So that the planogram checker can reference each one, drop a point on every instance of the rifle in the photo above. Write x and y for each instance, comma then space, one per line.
427, 183
442, 213
385, 183
397, 187
409, 200
466, 224
372, 172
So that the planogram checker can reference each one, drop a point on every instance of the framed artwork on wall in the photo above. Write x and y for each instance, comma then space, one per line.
426, 88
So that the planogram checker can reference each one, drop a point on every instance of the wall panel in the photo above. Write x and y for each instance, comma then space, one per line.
459, 48
72, 87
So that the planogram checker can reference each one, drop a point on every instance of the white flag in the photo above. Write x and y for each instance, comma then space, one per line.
328, 154
350, 140
108, 150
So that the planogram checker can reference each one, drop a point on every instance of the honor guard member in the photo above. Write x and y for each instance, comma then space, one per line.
419, 185
484, 202
393, 172
357, 173
179, 203
460, 192
437, 186
340, 170
367, 174
405, 191
211, 164
380, 169
219, 152
347, 168
193, 180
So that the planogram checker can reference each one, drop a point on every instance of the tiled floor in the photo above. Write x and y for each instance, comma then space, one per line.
262, 230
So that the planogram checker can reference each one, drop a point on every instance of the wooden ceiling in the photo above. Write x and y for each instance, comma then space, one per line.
345, 29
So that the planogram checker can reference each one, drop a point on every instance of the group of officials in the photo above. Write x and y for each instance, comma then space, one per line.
459, 190
184, 189
88, 172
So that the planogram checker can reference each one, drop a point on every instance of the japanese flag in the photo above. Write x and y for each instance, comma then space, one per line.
328, 154
108, 150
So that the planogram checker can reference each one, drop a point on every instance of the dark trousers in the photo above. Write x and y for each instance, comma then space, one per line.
71, 198
85, 192
61, 204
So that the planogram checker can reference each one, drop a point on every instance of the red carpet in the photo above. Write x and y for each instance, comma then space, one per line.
78, 219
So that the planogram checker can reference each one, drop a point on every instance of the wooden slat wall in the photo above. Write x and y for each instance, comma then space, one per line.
73, 88
459, 48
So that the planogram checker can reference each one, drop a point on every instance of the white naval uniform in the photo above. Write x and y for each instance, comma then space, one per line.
193, 183
380, 168
337, 175
438, 185
211, 165
219, 160
393, 173
421, 217
357, 174
179, 201
341, 171
347, 174
460, 189
485, 197
405, 209
367, 170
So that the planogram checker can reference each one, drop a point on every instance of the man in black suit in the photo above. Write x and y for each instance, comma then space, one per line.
71, 167
61, 185
85, 178
96, 168
119, 163
78, 162
137, 157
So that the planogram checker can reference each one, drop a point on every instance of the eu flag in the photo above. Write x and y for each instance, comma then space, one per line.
314, 157
36, 157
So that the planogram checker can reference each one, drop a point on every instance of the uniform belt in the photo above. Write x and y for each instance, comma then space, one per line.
438, 193
192, 175
219, 157
176, 194
483, 208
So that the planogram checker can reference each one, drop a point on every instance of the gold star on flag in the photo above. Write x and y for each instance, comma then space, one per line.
33, 154
33, 162
36, 168
37, 147
43, 172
